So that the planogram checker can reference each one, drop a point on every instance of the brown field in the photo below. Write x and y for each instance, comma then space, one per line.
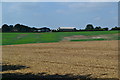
96, 59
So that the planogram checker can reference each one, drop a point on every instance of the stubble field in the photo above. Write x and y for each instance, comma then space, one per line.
95, 59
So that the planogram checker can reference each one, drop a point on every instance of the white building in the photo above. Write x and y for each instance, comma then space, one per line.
66, 29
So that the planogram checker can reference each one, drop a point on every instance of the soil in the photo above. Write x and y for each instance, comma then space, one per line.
99, 59
78, 37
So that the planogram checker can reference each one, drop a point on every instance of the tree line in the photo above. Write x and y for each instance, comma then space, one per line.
24, 28
17, 28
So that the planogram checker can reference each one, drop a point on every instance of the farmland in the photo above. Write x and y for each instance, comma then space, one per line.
60, 55
96, 59
26, 38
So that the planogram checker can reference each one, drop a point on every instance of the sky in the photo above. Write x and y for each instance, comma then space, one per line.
60, 14
60, 0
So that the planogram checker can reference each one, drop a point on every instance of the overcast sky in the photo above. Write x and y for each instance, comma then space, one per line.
59, 14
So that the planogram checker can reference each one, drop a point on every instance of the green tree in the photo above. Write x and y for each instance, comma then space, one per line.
89, 27
116, 28
106, 29
97, 28
5, 28
17, 28
11, 28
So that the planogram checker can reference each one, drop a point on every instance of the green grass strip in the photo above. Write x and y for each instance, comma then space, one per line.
89, 39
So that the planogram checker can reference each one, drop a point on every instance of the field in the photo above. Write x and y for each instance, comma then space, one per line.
91, 55
26, 38
63, 60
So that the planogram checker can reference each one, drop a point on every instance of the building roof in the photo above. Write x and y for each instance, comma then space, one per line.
66, 27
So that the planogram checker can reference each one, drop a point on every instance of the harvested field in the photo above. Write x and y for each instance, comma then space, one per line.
96, 59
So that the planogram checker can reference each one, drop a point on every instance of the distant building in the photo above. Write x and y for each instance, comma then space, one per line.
66, 29
44, 29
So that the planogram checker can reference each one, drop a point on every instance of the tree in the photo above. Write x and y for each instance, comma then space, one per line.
98, 28
11, 28
34, 29
105, 29
116, 28
17, 28
89, 27
24, 28
5, 28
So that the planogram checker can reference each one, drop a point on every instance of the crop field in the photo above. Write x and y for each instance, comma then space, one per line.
86, 60
26, 38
